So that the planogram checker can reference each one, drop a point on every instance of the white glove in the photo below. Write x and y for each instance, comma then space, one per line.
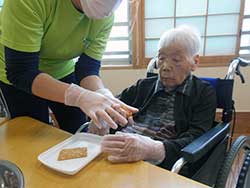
127, 147
96, 106
122, 108
105, 129
106, 92
93, 129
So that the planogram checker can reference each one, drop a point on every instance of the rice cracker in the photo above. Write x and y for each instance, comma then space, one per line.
72, 153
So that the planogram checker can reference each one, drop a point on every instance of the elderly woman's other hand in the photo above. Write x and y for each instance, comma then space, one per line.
93, 129
127, 147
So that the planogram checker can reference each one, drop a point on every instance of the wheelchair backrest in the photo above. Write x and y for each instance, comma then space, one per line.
224, 93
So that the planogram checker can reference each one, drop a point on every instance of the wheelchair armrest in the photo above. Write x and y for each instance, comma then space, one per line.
82, 127
200, 146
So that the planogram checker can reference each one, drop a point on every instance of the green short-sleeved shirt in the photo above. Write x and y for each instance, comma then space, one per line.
56, 29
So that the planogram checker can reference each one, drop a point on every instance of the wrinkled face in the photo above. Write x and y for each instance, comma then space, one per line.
175, 65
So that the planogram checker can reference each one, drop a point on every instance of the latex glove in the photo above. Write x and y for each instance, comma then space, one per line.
127, 147
122, 108
105, 129
93, 129
96, 106
105, 92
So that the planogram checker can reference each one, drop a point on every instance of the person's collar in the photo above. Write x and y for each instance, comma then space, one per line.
184, 88
159, 86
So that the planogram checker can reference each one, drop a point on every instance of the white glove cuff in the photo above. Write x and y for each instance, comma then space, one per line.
72, 94
106, 92
158, 153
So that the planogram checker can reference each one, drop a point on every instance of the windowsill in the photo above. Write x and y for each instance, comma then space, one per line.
116, 67
211, 61
245, 56
207, 61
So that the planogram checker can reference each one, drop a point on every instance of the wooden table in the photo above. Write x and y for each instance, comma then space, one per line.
2, 120
23, 139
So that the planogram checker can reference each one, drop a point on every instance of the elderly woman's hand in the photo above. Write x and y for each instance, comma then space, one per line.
93, 129
127, 147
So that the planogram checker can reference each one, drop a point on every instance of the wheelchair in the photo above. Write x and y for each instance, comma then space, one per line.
220, 163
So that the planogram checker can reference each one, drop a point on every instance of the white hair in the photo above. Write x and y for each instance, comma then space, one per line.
184, 35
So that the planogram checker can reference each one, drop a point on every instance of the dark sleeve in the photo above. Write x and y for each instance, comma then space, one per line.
86, 66
129, 94
203, 114
21, 68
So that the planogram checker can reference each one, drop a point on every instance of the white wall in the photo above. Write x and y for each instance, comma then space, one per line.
116, 80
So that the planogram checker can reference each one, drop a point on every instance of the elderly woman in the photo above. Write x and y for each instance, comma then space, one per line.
175, 107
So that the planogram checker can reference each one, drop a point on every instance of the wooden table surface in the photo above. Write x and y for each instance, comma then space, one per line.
23, 139
2, 120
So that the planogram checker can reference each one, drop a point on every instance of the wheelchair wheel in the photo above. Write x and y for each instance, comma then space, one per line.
235, 172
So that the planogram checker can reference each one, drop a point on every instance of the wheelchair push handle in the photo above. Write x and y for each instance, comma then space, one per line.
238, 73
243, 62
234, 68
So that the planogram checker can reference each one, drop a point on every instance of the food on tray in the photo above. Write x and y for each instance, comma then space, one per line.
72, 153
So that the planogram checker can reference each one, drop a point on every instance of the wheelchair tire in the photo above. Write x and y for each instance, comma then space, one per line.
235, 171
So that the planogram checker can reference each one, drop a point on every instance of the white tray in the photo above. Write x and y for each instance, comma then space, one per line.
72, 166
